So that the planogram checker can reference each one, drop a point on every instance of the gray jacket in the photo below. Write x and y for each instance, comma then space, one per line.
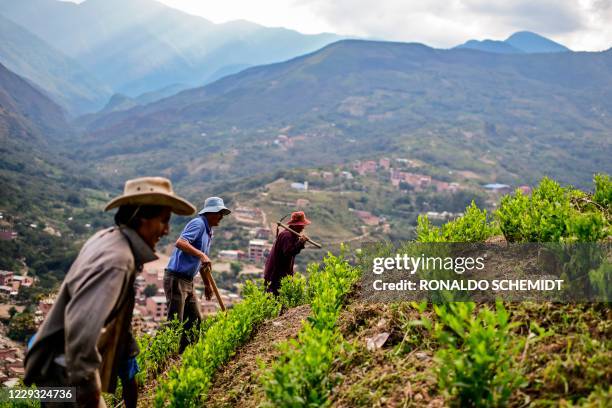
90, 322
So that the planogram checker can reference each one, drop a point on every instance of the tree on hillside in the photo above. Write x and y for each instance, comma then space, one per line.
22, 326
235, 267
150, 290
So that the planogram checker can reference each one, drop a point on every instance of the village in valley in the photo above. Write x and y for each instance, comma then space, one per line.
333, 198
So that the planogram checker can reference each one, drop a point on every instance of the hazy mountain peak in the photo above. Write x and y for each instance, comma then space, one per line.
519, 42
138, 46
530, 42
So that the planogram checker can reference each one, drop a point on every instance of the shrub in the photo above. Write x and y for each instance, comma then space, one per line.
471, 227
300, 375
476, 364
292, 292
603, 190
513, 214
155, 350
188, 385
550, 216
22, 326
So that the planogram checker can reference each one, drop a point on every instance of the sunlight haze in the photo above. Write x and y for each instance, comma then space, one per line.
581, 25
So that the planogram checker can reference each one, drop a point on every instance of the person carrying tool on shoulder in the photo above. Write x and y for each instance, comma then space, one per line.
189, 255
284, 250
86, 340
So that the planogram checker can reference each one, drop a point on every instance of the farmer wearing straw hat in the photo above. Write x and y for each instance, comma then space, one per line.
86, 340
191, 252
282, 255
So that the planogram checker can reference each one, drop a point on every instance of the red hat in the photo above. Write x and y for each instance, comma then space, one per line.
298, 218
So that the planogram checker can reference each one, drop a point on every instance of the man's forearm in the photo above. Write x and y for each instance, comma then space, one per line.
186, 247
208, 292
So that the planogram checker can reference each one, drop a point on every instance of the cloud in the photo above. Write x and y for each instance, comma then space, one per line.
391, 19
544, 16
445, 23
596, 32
578, 24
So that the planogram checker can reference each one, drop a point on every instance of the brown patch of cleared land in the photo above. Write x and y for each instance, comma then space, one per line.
470, 175
396, 375
4, 310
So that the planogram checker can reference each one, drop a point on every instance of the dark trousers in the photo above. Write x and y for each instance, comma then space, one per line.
182, 303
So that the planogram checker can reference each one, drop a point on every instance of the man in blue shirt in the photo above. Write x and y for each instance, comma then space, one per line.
191, 252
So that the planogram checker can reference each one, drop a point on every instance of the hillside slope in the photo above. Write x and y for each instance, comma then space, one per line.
43, 196
403, 370
351, 353
61, 77
523, 116
28, 118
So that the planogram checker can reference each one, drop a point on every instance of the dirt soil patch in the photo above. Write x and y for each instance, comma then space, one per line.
398, 374
237, 383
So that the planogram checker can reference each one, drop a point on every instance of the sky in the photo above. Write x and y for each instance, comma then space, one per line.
582, 25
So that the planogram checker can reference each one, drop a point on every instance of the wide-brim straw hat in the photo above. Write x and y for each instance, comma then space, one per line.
298, 218
151, 191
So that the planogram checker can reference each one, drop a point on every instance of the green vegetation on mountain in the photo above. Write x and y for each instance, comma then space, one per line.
510, 118
299, 376
46, 199
553, 213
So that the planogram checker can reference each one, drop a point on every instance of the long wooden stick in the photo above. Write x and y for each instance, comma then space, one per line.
207, 273
280, 224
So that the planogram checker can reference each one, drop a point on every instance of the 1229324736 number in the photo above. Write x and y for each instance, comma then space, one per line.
43, 394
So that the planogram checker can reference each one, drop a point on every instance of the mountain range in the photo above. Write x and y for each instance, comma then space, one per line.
128, 77
139, 51
139, 46
461, 109
517, 43
515, 117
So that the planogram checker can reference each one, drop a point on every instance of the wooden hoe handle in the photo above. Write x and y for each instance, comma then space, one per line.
206, 269
280, 224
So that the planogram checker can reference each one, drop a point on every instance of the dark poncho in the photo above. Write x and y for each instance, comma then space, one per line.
281, 259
